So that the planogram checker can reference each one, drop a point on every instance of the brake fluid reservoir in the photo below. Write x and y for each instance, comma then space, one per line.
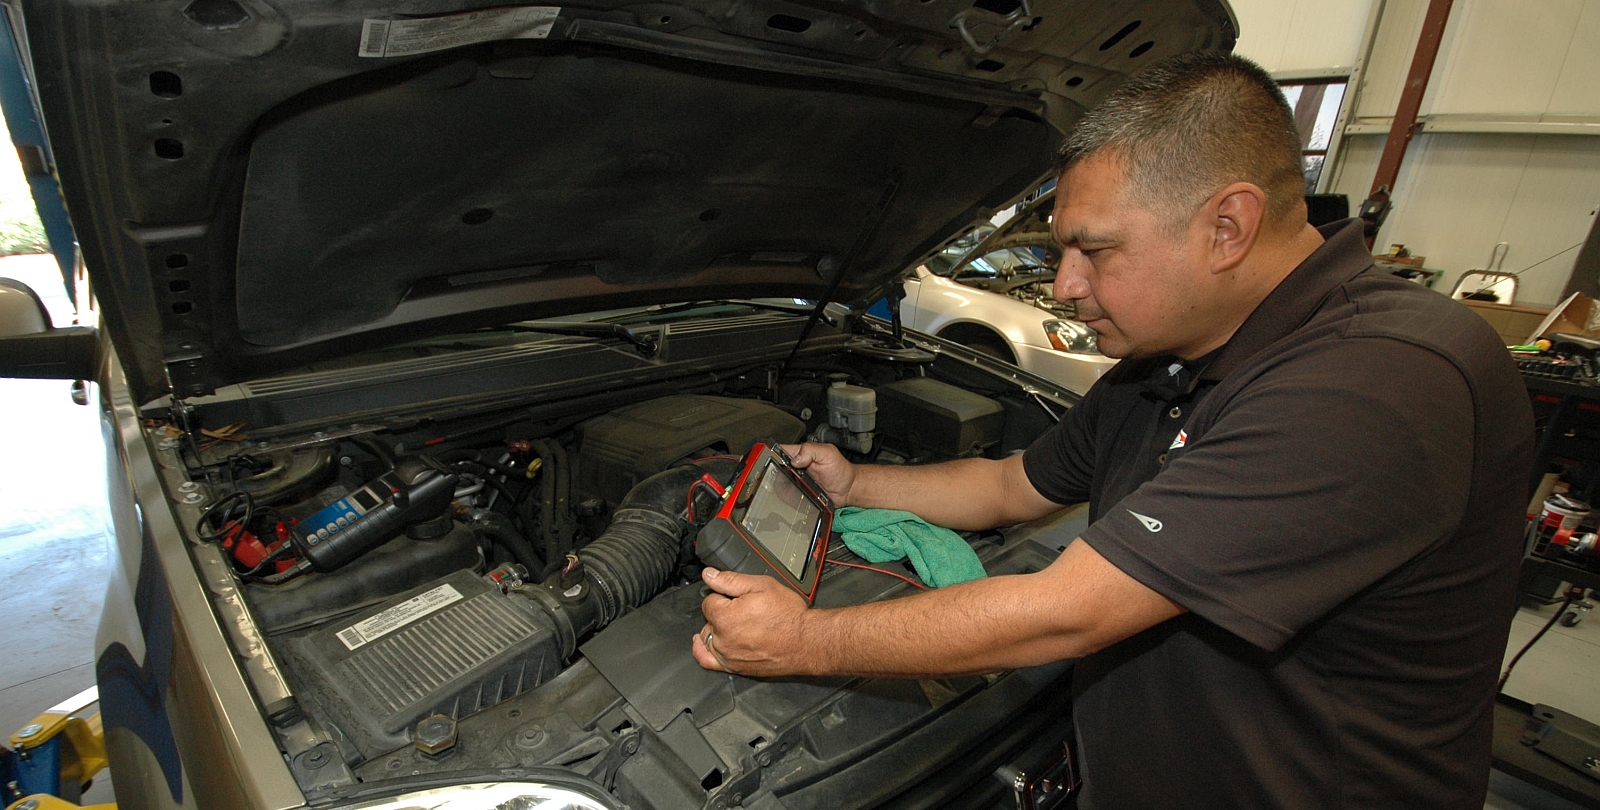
852, 408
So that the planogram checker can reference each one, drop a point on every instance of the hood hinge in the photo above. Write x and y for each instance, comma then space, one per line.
187, 373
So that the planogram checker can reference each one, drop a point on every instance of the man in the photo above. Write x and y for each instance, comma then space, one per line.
1306, 483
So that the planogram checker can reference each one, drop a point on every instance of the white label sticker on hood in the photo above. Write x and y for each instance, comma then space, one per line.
374, 627
380, 38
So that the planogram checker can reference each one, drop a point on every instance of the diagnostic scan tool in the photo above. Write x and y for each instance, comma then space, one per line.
773, 520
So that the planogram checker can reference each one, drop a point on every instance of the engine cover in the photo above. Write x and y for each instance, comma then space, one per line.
635, 712
624, 447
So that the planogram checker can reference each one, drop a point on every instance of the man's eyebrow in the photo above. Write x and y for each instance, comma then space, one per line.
1079, 236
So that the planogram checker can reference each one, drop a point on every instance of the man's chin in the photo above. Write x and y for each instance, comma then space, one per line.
1115, 349
1116, 352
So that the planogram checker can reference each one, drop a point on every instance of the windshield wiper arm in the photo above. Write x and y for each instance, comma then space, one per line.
644, 343
668, 309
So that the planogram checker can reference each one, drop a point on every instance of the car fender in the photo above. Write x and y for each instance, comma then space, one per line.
172, 694
942, 303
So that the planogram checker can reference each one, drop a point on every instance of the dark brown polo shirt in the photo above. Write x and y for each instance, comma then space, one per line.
1336, 495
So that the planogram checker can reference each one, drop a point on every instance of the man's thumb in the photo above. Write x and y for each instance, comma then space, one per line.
730, 583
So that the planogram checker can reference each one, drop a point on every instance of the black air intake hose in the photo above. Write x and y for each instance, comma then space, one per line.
635, 557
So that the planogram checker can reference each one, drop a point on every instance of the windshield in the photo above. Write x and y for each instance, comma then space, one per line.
1009, 262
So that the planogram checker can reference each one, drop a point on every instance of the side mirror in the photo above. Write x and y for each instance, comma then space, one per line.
31, 347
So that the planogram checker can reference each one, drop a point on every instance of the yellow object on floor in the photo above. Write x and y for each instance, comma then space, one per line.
83, 753
44, 801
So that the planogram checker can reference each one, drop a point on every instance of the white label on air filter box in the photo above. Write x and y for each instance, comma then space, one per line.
381, 38
375, 627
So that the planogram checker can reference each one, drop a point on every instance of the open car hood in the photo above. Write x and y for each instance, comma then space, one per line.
257, 184
1030, 227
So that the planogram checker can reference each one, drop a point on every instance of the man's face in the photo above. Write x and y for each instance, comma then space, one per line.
1136, 281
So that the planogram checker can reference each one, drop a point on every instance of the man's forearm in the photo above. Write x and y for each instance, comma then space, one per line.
966, 494
973, 628
1080, 603
1076, 606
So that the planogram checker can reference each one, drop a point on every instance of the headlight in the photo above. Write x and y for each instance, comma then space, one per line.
489, 796
1071, 336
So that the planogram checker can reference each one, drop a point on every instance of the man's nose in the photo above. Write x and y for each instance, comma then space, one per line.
1070, 284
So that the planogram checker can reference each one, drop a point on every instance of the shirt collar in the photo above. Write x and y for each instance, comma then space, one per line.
1341, 257
1170, 377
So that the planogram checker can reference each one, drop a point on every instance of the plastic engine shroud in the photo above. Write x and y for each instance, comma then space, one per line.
636, 713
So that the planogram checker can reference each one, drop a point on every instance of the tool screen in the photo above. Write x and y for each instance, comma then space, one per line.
773, 520
783, 519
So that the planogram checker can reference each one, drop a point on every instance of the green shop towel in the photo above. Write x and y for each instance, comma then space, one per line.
939, 555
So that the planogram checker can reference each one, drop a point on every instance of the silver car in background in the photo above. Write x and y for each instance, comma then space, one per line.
995, 297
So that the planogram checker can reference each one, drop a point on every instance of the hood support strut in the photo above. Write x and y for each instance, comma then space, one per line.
885, 200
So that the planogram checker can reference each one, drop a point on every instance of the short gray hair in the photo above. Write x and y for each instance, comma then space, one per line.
1190, 125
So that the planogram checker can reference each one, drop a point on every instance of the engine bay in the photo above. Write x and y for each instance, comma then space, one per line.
513, 590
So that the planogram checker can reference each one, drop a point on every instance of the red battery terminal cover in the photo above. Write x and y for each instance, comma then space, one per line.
250, 552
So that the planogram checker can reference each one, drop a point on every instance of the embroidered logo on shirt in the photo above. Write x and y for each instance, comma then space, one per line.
1149, 522
1181, 440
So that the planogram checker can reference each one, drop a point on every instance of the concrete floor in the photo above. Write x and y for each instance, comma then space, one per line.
54, 563
1555, 672
54, 555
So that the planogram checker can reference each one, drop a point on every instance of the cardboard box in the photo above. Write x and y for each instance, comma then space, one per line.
1577, 315
1512, 322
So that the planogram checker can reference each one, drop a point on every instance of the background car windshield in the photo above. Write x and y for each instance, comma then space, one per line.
1010, 261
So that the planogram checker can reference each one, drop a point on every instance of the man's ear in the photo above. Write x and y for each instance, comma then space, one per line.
1236, 213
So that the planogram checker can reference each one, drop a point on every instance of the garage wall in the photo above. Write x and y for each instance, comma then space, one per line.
1510, 144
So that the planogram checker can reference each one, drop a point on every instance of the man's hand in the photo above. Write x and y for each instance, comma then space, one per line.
827, 467
753, 625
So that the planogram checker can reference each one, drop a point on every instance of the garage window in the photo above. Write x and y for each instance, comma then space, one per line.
1316, 109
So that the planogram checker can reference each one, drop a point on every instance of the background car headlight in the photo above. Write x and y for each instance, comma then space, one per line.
1071, 336
489, 796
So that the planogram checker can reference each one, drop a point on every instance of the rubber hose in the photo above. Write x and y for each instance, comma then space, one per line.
376, 447
634, 559
498, 528
547, 503
566, 526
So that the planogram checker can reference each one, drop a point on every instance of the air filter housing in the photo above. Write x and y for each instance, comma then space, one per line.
455, 646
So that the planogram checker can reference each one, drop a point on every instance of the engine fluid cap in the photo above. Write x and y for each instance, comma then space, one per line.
436, 735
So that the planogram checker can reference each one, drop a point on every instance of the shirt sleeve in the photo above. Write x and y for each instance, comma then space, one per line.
1060, 463
1316, 481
